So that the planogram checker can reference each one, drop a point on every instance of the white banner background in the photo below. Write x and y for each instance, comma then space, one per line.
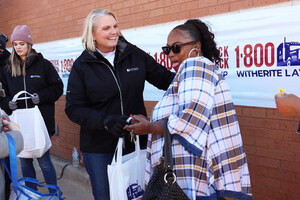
247, 40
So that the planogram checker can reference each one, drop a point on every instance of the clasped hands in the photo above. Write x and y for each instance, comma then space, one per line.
120, 126
140, 125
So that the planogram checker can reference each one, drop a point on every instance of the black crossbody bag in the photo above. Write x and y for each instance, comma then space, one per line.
162, 184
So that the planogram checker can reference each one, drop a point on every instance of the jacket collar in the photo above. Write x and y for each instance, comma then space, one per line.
123, 48
32, 57
122, 44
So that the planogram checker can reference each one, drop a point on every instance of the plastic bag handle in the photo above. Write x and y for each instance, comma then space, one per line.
137, 145
118, 152
16, 97
117, 158
35, 181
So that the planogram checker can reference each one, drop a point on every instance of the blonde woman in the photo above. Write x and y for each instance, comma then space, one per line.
105, 86
31, 72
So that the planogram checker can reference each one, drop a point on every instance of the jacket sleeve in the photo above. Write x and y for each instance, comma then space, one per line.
77, 106
5, 100
18, 138
156, 74
54, 87
191, 124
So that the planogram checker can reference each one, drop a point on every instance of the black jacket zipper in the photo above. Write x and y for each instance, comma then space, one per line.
118, 84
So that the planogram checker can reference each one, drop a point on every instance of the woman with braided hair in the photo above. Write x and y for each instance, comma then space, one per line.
208, 154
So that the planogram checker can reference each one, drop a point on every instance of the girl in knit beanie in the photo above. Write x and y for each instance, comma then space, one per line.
22, 47
30, 71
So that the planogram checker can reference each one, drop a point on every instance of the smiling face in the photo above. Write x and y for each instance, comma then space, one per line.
179, 36
21, 48
106, 33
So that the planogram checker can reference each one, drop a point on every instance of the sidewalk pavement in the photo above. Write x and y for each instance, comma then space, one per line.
74, 182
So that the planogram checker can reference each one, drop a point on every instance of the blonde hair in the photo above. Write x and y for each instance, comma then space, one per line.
16, 62
90, 26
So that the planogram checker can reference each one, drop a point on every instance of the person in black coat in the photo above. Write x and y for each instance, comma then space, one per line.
29, 71
105, 86
4, 54
4, 58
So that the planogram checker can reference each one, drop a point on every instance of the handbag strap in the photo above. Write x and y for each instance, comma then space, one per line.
13, 174
168, 149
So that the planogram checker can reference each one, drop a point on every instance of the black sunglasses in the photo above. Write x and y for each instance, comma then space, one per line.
176, 47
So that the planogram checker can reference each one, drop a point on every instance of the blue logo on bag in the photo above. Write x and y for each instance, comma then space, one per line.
134, 191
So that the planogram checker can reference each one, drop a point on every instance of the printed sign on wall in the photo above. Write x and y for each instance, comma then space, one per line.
259, 50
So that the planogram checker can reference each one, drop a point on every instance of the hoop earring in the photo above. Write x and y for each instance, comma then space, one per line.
194, 49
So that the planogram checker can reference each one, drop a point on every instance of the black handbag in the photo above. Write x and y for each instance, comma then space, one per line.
162, 184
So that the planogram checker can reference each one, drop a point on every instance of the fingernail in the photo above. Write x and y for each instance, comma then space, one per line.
4, 118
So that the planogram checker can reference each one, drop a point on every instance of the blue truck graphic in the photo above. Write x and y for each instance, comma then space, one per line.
288, 53
134, 191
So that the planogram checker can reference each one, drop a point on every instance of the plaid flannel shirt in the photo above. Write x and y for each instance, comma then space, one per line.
208, 154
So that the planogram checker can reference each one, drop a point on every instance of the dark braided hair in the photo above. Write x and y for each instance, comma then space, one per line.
199, 31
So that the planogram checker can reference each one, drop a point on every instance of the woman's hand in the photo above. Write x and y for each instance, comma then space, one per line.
10, 126
139, 124
288, 105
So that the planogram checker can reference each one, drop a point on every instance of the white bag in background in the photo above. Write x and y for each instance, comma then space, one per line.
33, 129
126, 174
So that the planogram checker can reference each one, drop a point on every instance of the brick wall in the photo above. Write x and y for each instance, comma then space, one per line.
273, 152
55, 19
271, 143
68, 132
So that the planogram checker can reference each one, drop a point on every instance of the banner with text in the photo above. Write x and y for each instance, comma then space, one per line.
259, 48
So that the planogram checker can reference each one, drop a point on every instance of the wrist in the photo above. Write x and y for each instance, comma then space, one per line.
157, 127
150, 128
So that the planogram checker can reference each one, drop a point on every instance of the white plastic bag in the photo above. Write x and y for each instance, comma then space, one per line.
126, 174
33, 129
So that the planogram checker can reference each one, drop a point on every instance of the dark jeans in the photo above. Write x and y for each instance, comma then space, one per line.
96, 166
46, 166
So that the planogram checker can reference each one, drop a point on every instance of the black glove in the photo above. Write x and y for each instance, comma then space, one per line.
35, 98
114, 125
12, 105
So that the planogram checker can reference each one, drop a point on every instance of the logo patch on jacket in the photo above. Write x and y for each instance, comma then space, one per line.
35, 76
133, 69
